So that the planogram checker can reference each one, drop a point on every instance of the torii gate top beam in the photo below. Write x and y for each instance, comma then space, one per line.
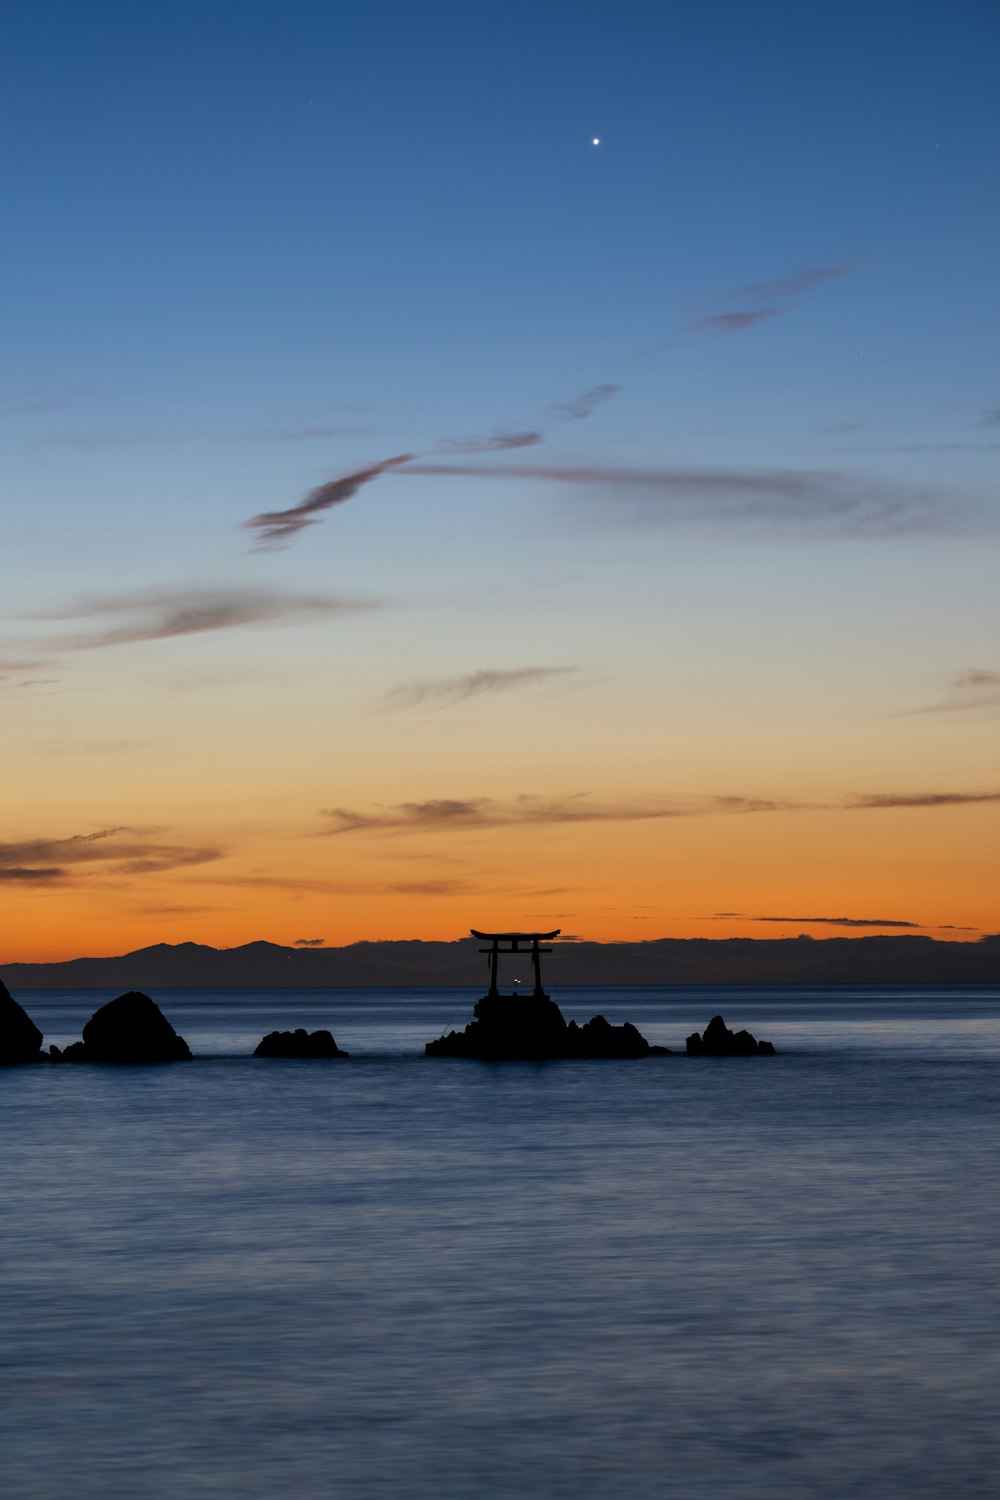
515, 939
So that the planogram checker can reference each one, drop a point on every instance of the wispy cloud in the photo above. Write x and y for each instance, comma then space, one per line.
276, 527
461, 814
784, 289
578, 408
733, 322
733, 916
158, 614
823, 502
445, 691
919, 799
310, 942
120, 851
453, 813
500, 443
976, 688
991, 417
795, 283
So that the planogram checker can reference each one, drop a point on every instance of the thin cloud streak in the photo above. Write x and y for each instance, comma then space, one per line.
796, 283
446, 691
578, 408
827, 502
160, 614
733, 322
452, 813
735, 916
791, 286
501, 443
277, 527
881, 800
462, 814
976, 688
122, 850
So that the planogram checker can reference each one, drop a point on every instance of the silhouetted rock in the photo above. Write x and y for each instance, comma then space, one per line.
598, 1038
298, 1043
718, 1041
20, 1038
131, 1029
533, 1028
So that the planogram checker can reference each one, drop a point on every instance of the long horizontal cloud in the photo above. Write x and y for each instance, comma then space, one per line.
920, 799
274, 527
817, 500
448, 690
158, 614
121, 851
452, 814
460, 814
734, 916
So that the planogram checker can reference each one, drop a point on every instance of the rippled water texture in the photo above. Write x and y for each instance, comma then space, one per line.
409, 1278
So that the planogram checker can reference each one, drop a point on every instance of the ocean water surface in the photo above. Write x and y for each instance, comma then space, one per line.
447, 1280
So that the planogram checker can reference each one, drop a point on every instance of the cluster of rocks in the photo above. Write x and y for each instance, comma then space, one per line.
298, 1043
133, 1029
718, 1041
533, 1028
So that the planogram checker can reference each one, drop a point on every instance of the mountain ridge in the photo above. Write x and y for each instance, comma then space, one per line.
909, 959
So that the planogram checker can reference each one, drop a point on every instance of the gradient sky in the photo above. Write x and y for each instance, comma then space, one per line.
682, 617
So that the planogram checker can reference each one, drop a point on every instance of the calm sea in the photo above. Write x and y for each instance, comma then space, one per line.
443, 1280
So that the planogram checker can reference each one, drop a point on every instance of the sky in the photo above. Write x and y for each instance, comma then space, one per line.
498, 466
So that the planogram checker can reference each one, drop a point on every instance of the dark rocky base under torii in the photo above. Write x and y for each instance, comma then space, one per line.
718, 1041
533, 1029
298, 1043
131, 1029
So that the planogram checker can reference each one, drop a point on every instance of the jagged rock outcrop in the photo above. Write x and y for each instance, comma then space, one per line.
718, 1041
20, 1038
131, 1029
533, 1028
298, 1043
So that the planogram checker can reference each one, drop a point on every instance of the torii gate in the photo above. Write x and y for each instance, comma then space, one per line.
514, 939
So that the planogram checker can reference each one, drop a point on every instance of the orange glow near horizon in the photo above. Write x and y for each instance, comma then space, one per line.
710, 876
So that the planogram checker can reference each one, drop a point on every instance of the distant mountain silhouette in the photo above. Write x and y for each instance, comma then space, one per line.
662, 961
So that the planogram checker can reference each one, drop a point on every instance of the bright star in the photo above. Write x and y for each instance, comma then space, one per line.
596, 141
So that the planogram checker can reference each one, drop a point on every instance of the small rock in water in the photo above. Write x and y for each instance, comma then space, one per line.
718, 1041
20, 1038
298, 1043
131, 1029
